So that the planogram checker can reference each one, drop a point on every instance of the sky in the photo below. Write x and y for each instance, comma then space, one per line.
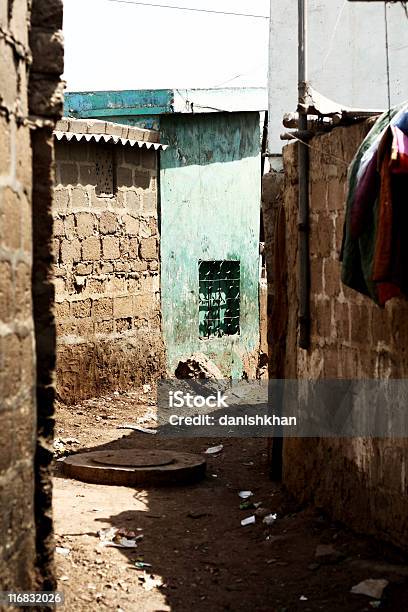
115, 45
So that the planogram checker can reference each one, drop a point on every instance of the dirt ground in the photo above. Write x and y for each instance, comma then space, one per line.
201, 557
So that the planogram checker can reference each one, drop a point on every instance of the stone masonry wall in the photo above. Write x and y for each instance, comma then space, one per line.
30, 52
107, 272
360, 482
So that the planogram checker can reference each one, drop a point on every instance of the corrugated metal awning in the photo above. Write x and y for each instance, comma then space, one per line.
109, 139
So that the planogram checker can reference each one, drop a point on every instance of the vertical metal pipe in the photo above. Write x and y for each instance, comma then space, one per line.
303, 165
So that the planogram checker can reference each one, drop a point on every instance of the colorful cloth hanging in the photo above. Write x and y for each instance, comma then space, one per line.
375, 242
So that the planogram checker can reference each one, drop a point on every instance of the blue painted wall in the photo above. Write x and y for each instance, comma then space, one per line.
139, 108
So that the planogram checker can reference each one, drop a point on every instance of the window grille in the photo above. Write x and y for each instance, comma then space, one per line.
219, 313
105, 176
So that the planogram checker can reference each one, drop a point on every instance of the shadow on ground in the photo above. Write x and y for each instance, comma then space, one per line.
194, 540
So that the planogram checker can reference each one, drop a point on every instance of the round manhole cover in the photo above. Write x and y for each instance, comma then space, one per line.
134, 458
135, 467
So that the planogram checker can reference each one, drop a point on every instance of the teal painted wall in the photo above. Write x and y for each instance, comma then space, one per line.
210, 209
138, 108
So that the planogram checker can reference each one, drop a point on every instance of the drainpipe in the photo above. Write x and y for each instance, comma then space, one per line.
303, 165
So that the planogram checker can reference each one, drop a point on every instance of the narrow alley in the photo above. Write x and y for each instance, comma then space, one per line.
204, 305
198, 553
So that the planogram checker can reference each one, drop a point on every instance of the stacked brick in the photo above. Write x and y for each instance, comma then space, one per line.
31, 60
106, 272
357, 481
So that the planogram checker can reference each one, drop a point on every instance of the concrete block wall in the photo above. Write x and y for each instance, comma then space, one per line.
360, 482
106, 272
31, 60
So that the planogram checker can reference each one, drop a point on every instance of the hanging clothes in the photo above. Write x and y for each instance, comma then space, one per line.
375, 242
399, 151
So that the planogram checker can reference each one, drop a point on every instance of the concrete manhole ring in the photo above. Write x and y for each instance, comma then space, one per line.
135, 467
134, 458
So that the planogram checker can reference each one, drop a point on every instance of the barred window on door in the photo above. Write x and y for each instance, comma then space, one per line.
219, 313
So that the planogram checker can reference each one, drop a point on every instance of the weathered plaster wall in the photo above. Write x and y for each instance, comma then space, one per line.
31, 61
210, 201
107, 272
344, 63
360, 482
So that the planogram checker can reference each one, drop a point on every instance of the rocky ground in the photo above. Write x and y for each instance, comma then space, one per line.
200, 556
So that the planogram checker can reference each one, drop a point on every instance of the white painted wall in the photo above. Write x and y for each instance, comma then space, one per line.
347, 58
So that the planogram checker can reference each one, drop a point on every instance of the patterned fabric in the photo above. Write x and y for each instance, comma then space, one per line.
375, 244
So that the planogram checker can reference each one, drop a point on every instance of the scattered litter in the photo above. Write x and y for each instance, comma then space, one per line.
118, 538
59, 445
245, 494
325, 553
371, 588
60, 550
251, 520
303, 598
144, 430
270, 519
214, 475
130, 543
149, 582
248, 463
375, 604
116, 393
142, 565
147, 388
247, 505
64, 578
213, 450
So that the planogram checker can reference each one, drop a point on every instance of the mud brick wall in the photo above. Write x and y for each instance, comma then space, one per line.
360, 482
31, 60
17, 389
107, 272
